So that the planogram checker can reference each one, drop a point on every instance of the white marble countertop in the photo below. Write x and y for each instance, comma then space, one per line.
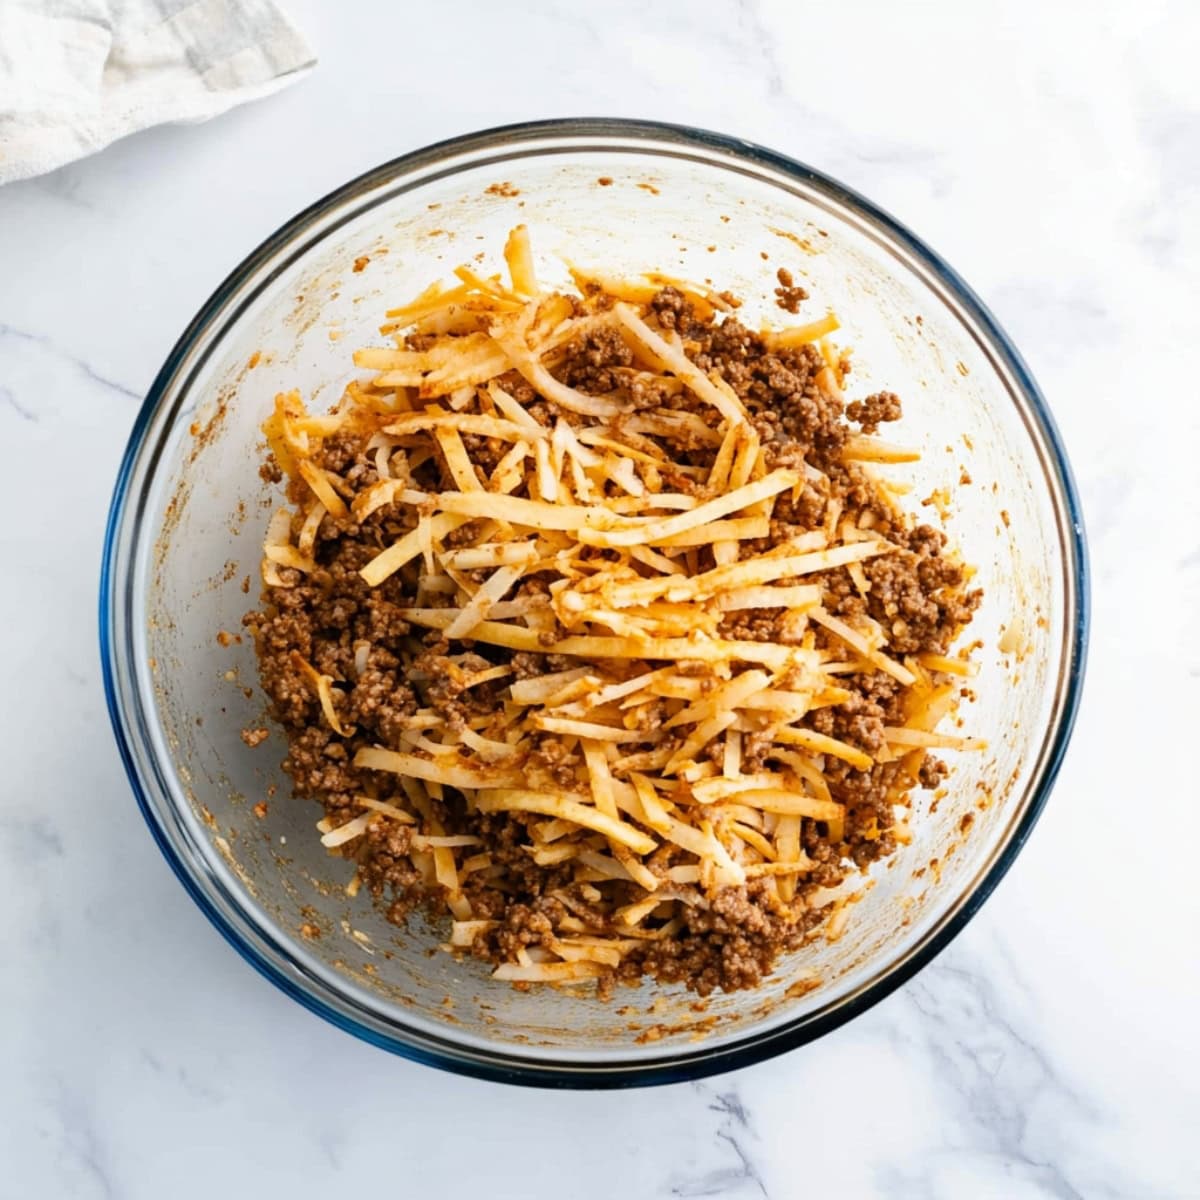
1052, 1050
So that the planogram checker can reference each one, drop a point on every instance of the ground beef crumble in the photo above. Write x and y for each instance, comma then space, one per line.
874, 410
788, 295
326, 617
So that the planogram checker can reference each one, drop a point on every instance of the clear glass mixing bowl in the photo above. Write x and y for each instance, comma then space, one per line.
189, 510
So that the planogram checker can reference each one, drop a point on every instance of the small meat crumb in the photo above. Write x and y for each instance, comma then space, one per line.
874, 410
788, 295
255, 737
260, 810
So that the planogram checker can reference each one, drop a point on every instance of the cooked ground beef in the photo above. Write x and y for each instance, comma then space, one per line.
874, 410
326, 617
788, 295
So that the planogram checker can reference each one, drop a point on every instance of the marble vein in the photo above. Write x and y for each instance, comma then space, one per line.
741, 1176
80, 1144
81, 365
1004, 1081
9, 400
31, 840
763, 45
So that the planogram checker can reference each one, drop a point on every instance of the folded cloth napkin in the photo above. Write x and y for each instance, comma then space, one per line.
78, 74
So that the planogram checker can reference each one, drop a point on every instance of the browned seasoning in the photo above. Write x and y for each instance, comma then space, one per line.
803, 986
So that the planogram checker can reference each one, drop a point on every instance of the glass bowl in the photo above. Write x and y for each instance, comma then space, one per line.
189, 511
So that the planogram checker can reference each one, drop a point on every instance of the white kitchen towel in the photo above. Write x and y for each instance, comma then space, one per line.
78, 74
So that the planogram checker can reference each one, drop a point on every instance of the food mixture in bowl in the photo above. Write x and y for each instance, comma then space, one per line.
593, 626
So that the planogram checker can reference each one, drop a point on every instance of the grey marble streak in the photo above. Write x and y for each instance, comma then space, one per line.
8, 332
68, 1125
1054, 159
999, 1075
9, 400
740, 1175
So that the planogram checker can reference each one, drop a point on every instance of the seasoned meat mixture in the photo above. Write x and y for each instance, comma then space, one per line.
392, 679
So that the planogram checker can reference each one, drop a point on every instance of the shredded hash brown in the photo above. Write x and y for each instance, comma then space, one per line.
589, 624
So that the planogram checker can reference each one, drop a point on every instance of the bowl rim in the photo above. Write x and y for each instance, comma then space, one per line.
698, 1063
